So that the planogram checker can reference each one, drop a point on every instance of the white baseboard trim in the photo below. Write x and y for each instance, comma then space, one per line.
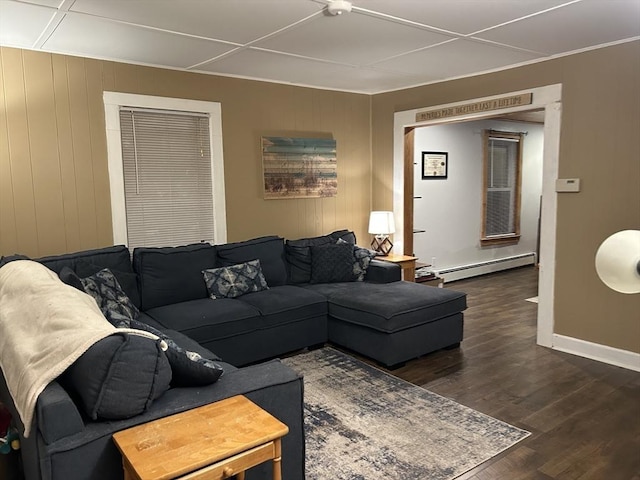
595, 351
461, 272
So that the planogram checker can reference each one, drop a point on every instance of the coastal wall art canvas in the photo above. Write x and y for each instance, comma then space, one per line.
299, 167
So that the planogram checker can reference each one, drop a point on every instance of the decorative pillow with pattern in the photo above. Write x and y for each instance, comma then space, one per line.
189, 369
235, 280
110, 297
363, 259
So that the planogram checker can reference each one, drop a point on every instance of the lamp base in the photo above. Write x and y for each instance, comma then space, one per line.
382, 245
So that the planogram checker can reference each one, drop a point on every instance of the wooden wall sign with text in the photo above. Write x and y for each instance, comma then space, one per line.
475, 107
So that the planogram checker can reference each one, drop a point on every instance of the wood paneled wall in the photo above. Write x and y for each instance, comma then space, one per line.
599, 143
54, 185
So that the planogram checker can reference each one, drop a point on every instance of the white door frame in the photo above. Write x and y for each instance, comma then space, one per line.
547, 97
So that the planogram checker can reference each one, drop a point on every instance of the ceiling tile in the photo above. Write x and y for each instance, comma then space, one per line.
229, 20
46, 3
456, 58
572, 27
21, 23
105, 39
259, 64
460, 16
353, 38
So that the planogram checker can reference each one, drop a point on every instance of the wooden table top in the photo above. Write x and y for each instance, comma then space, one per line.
396, 258
173, 446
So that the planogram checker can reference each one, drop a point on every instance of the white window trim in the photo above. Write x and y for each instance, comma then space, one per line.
112, 103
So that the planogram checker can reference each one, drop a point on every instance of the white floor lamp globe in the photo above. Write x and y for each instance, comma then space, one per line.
618, 261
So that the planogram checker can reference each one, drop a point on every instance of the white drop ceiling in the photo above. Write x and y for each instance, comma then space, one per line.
381, 45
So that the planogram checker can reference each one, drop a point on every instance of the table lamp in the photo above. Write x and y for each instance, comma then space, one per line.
618, 261
381, 225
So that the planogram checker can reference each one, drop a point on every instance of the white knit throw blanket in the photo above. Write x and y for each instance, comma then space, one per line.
45, 325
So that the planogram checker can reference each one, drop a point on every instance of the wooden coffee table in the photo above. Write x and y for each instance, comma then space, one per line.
212, 442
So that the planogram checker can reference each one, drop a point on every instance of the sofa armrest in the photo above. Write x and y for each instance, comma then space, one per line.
272, 385
57, 414
380, 271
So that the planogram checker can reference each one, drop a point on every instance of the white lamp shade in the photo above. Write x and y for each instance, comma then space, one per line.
381, 223
618, 261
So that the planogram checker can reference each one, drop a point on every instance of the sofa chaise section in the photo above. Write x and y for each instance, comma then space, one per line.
395, 322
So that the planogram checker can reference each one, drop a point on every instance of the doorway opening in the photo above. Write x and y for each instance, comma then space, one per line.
544, 99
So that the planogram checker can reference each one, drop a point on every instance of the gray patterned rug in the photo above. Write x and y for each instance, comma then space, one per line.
364, 424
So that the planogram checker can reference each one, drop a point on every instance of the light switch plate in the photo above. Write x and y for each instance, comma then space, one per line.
568, 185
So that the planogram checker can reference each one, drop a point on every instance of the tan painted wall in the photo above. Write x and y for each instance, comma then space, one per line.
600, 144
54, 193
54, 190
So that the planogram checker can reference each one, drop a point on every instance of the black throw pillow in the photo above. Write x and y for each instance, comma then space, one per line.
119, 376
189, 369
332, 263
68, 276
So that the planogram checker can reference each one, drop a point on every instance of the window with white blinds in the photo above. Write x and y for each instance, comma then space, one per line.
166, 170
501, 188
167, 177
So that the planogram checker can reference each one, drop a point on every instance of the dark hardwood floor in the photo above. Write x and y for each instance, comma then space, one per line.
583, 415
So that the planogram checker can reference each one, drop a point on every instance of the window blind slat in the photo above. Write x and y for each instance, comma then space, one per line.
167, 178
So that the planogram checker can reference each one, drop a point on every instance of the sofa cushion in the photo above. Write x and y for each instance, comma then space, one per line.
332, 263
188, 368
235, 280
119, 376
285, 304
298, 253
169, 275
344, 235
11, 258
114, 304
205, 320
114, 258
269, 250
390, 307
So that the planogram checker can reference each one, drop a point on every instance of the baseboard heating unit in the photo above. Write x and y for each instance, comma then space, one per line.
474, 269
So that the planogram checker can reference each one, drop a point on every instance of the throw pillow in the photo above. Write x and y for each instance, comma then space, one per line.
363, 258
119, 376
332, 263
108, 294
235, 280
189, 369
127, 280
298, 255
68, 276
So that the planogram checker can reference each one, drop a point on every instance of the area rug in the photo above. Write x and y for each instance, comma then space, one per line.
364, 424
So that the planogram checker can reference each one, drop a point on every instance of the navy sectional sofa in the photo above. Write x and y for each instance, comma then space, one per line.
381, 317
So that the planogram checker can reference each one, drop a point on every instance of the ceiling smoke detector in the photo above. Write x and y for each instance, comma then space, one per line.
338, 7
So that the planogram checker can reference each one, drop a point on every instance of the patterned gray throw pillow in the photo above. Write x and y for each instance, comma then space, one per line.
363, 259
235, 280
110, 297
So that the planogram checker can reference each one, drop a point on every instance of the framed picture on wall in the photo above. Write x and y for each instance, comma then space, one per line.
434, 164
